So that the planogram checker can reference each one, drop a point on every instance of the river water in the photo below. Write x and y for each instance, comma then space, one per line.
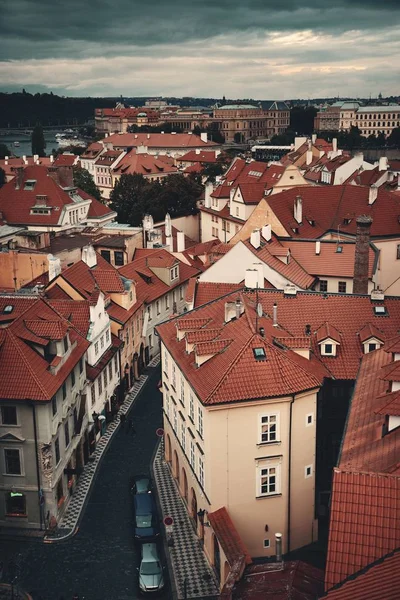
25, 146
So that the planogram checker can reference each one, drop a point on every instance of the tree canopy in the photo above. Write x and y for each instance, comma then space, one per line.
2, 177
84, 181
38, 141
4, 151
134, 196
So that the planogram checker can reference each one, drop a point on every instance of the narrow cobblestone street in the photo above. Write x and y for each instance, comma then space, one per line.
99, 562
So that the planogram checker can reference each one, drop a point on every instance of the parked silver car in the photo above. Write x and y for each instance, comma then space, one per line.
151, 575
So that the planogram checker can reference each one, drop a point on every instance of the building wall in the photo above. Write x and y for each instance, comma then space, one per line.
49, 428
375, 120
212, 226
19, 268
333, 284
262, 215
231, 476
389, 265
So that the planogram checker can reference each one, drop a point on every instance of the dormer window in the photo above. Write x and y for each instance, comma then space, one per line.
174, 273
327, 349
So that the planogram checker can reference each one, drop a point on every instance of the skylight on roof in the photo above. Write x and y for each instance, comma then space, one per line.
255, 173
8, 309
259, 353
380, 310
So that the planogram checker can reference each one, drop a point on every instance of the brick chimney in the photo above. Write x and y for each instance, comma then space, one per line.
361, 261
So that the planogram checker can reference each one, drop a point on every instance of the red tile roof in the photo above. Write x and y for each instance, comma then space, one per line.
201, 157
17, 355
293, 271
370, 331
235, 374
296, 581
328, 262
228, 536
364, 524
252, 192
144, 164
207, 291
157, 140
76, 312
330, 205
326, 331
148, 290
65, 160
390, 404
380, 580
93, 371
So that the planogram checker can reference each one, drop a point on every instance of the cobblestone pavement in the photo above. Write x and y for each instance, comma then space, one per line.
99, 562
189, 564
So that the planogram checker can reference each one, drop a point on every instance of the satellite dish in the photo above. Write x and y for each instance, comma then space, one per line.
259, 310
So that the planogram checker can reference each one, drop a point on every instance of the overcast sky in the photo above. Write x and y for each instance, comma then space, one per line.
238, 48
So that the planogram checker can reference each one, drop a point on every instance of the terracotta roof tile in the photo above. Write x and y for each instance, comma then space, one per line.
326, 331
365, 523
368, 331
380, 580
53, 330
211, 347
228, 536
390, 404
157, 140
201, 157
207, 291
330, 205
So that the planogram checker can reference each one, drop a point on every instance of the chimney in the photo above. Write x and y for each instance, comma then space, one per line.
334, 144
278, 547
309, 157
298, 209
361, 261
251, 279
54, 266
180, 240
197, 150
19, 175
275, 315
383, 164
208, 190
24, 159
148, 136
317, 247
168, 225
372, 194
238, 308
255, 239
6, 160
314, 138
35, 157
266, 232
51, 159
299, 141
89, 256
203, 137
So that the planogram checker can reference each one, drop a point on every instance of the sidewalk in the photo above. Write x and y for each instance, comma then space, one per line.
70, 520
187, 558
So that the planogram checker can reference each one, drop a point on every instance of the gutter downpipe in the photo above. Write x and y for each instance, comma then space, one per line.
290, 474
37, 463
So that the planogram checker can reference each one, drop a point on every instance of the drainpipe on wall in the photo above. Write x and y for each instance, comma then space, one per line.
37, 462
289, 474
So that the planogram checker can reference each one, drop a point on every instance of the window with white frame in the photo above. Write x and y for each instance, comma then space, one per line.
183, 435
267, 543
12, 461
108, 336
166, 362
166, 301
269, 479
9, 415
308, 471
182, 392
192, 455
102, 342
269, 428
175, 420
166, 404
309, 419
200, 421
96, 347
191, 407
201, 471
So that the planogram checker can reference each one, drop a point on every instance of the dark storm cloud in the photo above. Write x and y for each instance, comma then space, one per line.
43, 28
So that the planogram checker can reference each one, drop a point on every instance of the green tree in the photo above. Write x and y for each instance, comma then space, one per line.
2, 177
4, 151
134, 196
302, 119
394, 138
283, 139
84, 181
38, 141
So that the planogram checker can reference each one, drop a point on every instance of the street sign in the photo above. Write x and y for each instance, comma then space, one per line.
160, 432
168, 521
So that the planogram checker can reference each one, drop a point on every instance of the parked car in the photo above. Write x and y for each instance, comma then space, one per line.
151, 572
140, 484
145, 517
